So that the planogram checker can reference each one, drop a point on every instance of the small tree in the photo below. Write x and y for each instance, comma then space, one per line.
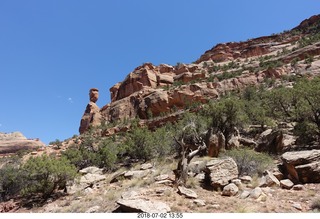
43, 175
226, 115
139, 143
308, 108
190, 138
188, 151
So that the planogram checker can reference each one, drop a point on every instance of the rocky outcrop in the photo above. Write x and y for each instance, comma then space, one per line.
302, 166
90, 177
92, 115
313, 21
230, 51
153, 102
16, 141
150, 91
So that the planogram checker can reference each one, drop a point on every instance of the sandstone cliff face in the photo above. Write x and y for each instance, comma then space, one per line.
16, 141
151, 90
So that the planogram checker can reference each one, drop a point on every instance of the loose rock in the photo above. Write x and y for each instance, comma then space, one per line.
286, 184
187, 192
230, 190
255, 193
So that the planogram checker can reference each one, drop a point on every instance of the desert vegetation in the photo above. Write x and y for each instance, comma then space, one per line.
253, 106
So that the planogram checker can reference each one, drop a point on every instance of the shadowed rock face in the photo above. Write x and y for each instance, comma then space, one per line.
302, 166
16, 141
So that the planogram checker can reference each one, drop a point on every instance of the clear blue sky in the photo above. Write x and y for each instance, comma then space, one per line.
53, 51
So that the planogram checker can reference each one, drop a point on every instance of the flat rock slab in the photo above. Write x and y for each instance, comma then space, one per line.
162, 177
187, 192
199, 202
136, 174
92, 178
146, 166
302, 166
286, 184
92, 170
141, 205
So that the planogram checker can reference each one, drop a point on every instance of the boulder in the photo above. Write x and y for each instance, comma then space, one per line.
93, 209
146, 166
245, 194
141, 205
246, 179
199, 202
85, 181
270, 141
130, 195
298, 187
188, 193
230, 190
256, 193
233, 142
216, 144
220, 171
136, 174
92, 170
269, 180
302, 166
286, 184
278, 174
237, 182
161, 177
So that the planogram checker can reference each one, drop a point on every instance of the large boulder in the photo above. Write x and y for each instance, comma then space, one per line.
302, 166
216, 143
220, 171
142, 205
270, 141
91, 176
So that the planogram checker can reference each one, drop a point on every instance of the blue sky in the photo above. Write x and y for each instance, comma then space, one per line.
52, 52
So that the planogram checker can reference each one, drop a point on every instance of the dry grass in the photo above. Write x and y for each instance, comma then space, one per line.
192, 183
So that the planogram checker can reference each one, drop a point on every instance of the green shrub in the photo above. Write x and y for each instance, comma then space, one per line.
250, 162
108, 151
79, 157
102, 152
139, 144
143, 144
11, 182
226, 114
43, 175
